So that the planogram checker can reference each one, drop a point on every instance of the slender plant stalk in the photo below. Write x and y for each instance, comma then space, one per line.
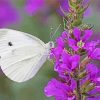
83, 97
79, 97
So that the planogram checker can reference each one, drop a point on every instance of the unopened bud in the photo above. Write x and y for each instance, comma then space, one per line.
85, 85
90, 87
84, 62
82, 75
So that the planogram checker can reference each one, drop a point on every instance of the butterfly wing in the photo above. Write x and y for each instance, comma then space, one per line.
21, 55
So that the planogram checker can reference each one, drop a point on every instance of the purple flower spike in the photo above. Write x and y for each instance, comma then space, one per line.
74, 55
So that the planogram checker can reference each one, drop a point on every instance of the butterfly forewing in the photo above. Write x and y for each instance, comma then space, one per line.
21, 55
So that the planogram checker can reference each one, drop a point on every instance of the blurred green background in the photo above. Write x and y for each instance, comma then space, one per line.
40, 26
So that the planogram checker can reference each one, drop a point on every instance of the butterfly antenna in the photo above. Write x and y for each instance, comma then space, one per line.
51, 33
55, 32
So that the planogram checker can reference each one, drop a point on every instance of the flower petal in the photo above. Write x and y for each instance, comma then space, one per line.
77, 33
90, 46
55, 88
64, 34
72, 43
95, 54
75, 61
60, 41
87, 35
92, 70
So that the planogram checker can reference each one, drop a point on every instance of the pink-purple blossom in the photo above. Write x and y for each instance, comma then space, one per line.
60, 90
67, 64
95, 54
80, 39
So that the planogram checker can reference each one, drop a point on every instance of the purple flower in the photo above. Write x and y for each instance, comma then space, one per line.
92, 45
92, 71
94, 94
56, 52
66, 63
64, 35
80, 40
95, 54
34, 6
92, 75
60, 42
93, 80
97, 87
8, 13
59, 90
94, 98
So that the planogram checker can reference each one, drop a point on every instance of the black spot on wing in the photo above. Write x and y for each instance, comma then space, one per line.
10, 44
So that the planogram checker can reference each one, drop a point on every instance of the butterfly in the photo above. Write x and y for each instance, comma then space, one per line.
21, 54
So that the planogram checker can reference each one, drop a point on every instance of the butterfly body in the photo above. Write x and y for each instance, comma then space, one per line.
21, 54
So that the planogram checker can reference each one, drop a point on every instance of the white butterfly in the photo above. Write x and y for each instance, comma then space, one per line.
21, 54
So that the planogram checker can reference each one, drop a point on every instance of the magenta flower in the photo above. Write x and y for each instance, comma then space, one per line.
80, 40
56, 52
92, 76
92, 72
66, 63
8, 13
95, 54
59, 90
94, 94
94, 98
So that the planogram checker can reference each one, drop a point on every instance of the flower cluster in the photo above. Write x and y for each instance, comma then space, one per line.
68, 64
74, 56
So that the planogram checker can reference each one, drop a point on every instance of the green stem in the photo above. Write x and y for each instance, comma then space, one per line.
79, 97
83, 97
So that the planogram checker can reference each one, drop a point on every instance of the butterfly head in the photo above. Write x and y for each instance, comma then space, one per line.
50, 45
